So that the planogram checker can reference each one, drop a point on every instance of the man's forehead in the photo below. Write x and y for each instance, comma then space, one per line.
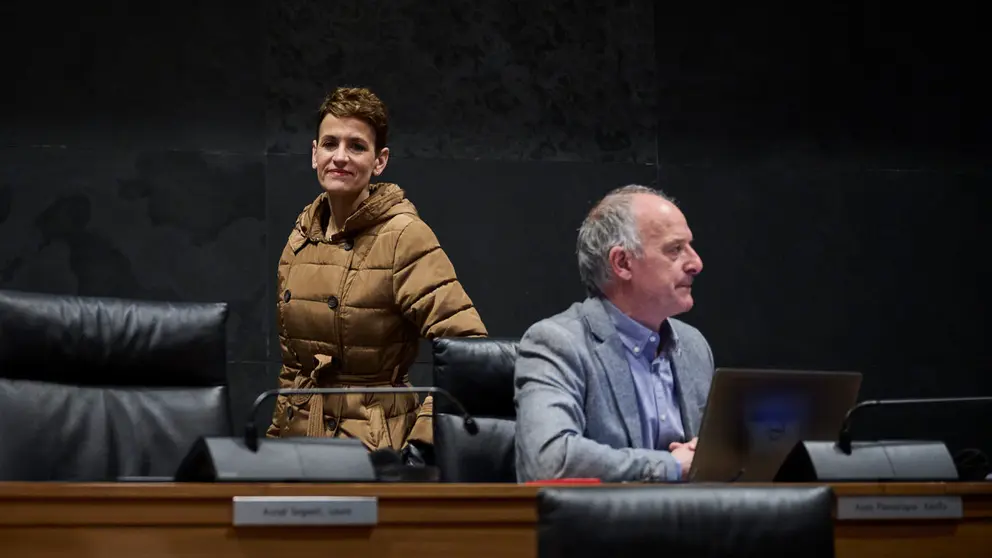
658, 214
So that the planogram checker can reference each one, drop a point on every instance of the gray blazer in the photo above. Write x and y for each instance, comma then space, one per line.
577, 412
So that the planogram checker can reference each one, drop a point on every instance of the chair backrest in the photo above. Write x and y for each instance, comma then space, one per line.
479, 372
686, 520
93, 389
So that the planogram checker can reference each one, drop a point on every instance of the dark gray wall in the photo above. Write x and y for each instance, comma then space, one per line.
162, 150
832, 163
833, 160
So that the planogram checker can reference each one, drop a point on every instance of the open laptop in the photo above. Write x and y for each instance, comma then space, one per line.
754, 418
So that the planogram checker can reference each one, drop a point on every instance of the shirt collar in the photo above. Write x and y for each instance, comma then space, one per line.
637, 338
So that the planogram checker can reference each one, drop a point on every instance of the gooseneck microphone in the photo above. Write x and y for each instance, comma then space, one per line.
251, 428
844, 437
876, 461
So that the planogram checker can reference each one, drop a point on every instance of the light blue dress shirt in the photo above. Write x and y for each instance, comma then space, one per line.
654, 380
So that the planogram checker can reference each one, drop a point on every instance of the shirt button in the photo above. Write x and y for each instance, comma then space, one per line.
332, 424
348, 245
664, 418
332, 302
286, 295
652, 338
637, 349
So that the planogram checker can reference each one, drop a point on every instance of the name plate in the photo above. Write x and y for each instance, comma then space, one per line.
899, 507
305, 510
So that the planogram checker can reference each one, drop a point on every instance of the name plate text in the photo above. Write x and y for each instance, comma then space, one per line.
305, 510
899, 507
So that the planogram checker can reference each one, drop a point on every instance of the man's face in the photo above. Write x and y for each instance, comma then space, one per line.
661, 278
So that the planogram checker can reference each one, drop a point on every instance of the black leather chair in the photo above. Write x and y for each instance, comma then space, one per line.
687, 520
93, 389
479, 372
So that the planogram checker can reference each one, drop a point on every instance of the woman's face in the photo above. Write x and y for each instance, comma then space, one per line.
344, 155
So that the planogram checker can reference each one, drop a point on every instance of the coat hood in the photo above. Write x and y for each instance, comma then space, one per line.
385, 201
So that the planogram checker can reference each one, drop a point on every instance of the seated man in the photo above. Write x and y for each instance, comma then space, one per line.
614, 387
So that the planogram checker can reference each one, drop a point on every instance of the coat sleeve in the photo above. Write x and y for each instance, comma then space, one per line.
426, 289
290, 362
428, 294
287, 376
550, 390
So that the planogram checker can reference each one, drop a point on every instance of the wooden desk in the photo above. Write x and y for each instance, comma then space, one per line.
151, 520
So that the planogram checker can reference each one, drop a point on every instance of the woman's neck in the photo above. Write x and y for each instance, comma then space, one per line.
342, 206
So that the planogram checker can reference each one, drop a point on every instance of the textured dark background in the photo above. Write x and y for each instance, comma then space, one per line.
833, 161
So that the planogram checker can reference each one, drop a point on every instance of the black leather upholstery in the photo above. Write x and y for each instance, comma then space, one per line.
479, 372
111, 342
686, 520
93, 389
485, 457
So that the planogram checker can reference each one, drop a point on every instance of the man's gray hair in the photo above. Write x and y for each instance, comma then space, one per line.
610, 223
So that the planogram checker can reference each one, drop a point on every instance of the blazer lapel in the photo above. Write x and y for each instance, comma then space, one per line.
688, 390
611, 356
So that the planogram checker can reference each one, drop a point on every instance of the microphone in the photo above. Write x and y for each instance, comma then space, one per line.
844, 460
844, 437
251, 429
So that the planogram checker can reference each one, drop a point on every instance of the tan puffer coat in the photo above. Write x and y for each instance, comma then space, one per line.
350, 312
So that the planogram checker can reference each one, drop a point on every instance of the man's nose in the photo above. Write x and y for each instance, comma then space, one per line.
695, 265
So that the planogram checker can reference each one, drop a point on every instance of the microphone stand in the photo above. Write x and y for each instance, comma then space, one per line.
844, 437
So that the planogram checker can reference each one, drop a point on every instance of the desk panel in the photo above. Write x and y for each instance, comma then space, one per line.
158, 520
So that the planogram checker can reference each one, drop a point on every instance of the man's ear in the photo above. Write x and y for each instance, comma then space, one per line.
619, 262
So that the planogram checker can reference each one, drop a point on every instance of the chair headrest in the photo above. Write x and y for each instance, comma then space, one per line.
710, 520
479, 372
96, 341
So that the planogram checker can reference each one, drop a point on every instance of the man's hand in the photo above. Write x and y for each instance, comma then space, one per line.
683, 453
684, 456
691, 444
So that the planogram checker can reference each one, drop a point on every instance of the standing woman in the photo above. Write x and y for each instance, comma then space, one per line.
361, 279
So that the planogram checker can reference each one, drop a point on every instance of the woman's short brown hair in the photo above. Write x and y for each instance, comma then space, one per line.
360, 103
